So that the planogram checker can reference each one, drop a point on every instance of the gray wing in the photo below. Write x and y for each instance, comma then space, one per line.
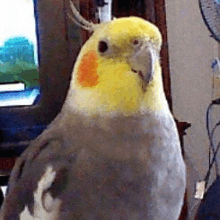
49, 183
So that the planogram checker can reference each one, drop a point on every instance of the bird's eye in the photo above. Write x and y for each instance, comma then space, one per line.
102, 47
135, 42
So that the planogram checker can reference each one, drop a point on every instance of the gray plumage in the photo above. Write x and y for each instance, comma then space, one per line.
104, 174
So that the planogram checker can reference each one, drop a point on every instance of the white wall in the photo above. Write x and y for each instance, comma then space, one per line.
191, 51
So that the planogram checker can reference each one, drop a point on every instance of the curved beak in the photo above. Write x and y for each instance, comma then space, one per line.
142, 62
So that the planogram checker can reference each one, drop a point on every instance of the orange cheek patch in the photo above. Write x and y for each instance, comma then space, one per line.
87, 72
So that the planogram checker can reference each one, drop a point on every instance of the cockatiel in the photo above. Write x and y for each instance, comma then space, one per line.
113, 152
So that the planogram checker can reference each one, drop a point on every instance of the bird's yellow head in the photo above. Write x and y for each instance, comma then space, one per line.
118, 70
